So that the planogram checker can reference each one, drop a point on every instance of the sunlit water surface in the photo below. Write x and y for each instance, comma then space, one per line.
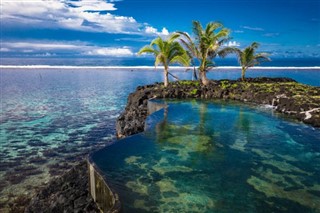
51, 118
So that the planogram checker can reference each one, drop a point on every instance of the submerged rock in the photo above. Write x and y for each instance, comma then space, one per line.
299, 101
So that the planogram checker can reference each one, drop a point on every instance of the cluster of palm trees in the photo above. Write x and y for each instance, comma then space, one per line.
208, 43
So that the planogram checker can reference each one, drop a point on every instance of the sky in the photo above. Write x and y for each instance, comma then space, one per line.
119, 28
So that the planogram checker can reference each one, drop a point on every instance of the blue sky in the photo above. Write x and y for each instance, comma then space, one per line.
118, 28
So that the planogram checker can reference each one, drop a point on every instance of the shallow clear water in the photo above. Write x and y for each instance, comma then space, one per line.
215, 157
50, 118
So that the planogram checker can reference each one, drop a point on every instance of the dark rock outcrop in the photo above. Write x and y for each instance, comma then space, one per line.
284, 94
68, 193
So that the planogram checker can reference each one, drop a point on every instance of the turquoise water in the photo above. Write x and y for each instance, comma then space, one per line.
50, 118
215, 157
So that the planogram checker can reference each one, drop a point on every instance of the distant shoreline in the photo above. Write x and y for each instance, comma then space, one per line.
147, 67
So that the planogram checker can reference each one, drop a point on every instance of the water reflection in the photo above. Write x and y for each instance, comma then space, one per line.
215, 157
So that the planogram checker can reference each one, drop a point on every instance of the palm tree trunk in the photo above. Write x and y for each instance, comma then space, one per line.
243, 72
166, 76
204, 78
202, 72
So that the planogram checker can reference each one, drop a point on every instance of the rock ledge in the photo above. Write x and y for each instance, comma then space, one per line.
300, 101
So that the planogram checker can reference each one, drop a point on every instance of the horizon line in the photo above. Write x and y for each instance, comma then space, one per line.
142, 67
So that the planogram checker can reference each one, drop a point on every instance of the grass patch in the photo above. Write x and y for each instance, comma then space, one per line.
193, 92
190, 83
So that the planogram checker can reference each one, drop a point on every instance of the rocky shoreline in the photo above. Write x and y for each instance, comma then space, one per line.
299, 101
69, 193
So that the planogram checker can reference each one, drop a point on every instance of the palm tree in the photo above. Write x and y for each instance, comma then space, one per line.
247, 57
207, 45
167, 52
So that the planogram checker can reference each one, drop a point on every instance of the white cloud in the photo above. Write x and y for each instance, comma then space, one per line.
253, 28
111, 52
149, 29
94, 5
27, 51
3, 49
164, 32
232, 44
45, 54
152, 30
51, 48
40, 46
81, 15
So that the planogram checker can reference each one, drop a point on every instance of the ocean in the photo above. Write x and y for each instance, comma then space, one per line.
147, 61
52, 115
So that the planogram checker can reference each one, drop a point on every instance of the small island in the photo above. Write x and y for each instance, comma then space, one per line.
286, 96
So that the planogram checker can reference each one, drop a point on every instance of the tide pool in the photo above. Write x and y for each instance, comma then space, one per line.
213, 156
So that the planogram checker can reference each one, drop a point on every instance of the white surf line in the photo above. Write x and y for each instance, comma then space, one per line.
71, 67
145, 67
269, 68
308, 113
89, 67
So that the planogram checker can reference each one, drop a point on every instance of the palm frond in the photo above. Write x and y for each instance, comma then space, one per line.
181, 59
197, 29
211, 27
189, 46
185, 35
263, 56
158, 42
224, 32
147, 49
174, 48
188, 43
248, 58
173, 37
254, 45
228, 50
159, 60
